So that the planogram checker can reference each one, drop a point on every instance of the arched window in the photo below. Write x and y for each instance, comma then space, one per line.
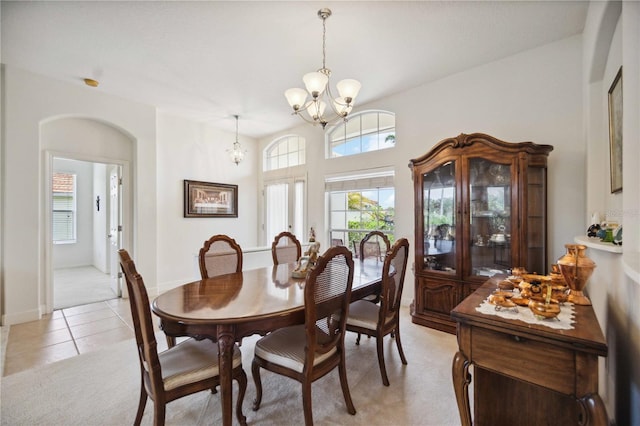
364, 132
287, 151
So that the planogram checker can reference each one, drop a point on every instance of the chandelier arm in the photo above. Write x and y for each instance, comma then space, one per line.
310, 121
334, 101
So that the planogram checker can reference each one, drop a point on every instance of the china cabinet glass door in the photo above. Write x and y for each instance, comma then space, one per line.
490, 227
439, 227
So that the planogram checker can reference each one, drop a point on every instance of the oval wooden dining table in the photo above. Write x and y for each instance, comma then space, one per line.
228, 307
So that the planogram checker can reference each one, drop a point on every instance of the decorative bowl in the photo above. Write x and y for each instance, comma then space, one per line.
543, 310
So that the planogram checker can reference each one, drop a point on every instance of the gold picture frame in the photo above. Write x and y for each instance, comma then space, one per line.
615, 132
206, 199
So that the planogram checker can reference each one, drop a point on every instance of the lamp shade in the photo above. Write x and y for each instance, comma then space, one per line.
296, 97
341, 107
348, 89
315, 82
316, 109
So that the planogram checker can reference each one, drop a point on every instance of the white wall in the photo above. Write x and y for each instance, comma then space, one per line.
196, 151
612, 39
29, 102
532, 96
46, 117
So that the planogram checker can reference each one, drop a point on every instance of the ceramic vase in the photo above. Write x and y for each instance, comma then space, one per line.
576, 268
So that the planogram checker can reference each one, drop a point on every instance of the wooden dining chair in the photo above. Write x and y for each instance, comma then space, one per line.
285, 248
374, 245
190, 366
308, 351
219, 255
378, 320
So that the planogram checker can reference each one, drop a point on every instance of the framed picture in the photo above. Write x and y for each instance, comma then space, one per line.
615, 132
206, 199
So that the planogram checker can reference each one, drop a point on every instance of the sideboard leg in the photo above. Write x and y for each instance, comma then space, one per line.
461, 381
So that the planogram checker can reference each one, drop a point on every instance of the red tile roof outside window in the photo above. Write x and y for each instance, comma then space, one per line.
62, 182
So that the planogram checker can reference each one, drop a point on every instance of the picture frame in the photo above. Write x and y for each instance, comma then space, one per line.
207, 199
615, 132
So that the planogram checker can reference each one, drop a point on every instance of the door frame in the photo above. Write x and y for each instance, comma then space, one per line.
126, 207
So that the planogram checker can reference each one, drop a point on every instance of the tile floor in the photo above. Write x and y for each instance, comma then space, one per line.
66, 333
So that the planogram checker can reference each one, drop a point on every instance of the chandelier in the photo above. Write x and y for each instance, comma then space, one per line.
237, 152
317, 85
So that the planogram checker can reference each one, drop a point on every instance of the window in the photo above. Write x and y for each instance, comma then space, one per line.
284, 208
360, 204
364, 132
64, 208
287, 151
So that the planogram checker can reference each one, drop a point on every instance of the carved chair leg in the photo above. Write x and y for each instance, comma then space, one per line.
306, 404
383, 369
158, 413
342, 370
242, 389
399, 344
141, 404
255, 372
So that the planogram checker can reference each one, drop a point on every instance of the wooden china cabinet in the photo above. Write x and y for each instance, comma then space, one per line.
480, 209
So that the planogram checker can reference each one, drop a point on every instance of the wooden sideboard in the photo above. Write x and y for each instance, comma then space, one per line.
527, 374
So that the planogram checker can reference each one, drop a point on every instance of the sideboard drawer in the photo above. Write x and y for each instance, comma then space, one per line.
529, 360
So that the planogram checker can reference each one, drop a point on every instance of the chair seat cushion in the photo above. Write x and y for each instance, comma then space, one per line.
364, 314
192, 360
285, 347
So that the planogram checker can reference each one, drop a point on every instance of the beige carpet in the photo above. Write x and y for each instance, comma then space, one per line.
102, 388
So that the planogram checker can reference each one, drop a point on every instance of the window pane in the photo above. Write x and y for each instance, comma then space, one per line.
387, 139
364, 213
338, 220
338, 149
365, 132
370, 122
370, 142
338, 201
298, 211
386, 198
352, 127
293, 159
369, 198
63, 207
276, 209
284, 152
386, 121
282, 161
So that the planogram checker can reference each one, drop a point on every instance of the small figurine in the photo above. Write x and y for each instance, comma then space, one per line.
312, 235
307, 261
314, 250
593, 230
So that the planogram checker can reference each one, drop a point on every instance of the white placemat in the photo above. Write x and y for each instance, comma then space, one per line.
564, 320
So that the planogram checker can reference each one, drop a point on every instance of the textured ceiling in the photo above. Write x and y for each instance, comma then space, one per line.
210, 60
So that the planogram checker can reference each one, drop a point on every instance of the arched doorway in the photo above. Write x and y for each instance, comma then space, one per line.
83, 235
